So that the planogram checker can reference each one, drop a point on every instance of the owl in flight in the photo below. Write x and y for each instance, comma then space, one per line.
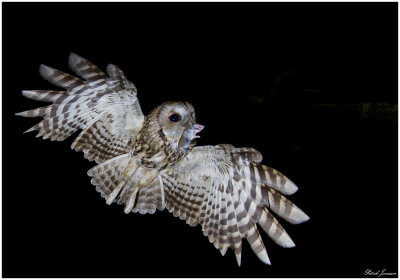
151, 162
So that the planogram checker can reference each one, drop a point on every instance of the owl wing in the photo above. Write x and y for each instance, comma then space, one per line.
227, 191
106, 109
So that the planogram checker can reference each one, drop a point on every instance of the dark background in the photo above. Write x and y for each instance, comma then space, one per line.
313, 86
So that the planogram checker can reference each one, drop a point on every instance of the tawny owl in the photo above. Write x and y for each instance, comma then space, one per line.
151, 162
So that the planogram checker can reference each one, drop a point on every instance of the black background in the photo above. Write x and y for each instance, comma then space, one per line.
313, 86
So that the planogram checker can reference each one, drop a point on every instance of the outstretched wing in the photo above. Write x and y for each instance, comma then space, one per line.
105, 108
227, 192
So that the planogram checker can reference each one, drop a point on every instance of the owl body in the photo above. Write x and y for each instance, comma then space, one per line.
149, 163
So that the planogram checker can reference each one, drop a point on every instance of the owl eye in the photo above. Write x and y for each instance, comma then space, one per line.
175, 118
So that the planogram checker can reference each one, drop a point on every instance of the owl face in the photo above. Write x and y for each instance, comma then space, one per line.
178, 123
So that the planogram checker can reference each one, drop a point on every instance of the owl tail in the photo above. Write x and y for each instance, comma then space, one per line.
110, 181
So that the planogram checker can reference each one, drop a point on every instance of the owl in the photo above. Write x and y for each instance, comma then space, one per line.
151, 162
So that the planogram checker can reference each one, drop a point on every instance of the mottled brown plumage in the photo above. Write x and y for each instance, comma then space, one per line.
151, 162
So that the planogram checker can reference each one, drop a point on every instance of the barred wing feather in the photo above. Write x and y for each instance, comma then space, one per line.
227, 192
106, 109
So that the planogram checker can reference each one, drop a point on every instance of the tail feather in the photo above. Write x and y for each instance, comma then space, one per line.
107, 176
111, 183
145, 203
142, 200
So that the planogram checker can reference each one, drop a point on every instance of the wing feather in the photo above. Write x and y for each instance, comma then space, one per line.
234, 237
223, 224
275, 179
235, 200
87, 70
105, 108
61, 79
53, 96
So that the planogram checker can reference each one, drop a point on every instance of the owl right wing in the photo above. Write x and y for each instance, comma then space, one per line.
106, 109
227, 191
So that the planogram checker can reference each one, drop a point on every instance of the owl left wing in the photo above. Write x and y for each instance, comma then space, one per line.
105, 108
227, 192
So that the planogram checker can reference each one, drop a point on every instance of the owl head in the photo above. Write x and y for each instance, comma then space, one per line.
177, 121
